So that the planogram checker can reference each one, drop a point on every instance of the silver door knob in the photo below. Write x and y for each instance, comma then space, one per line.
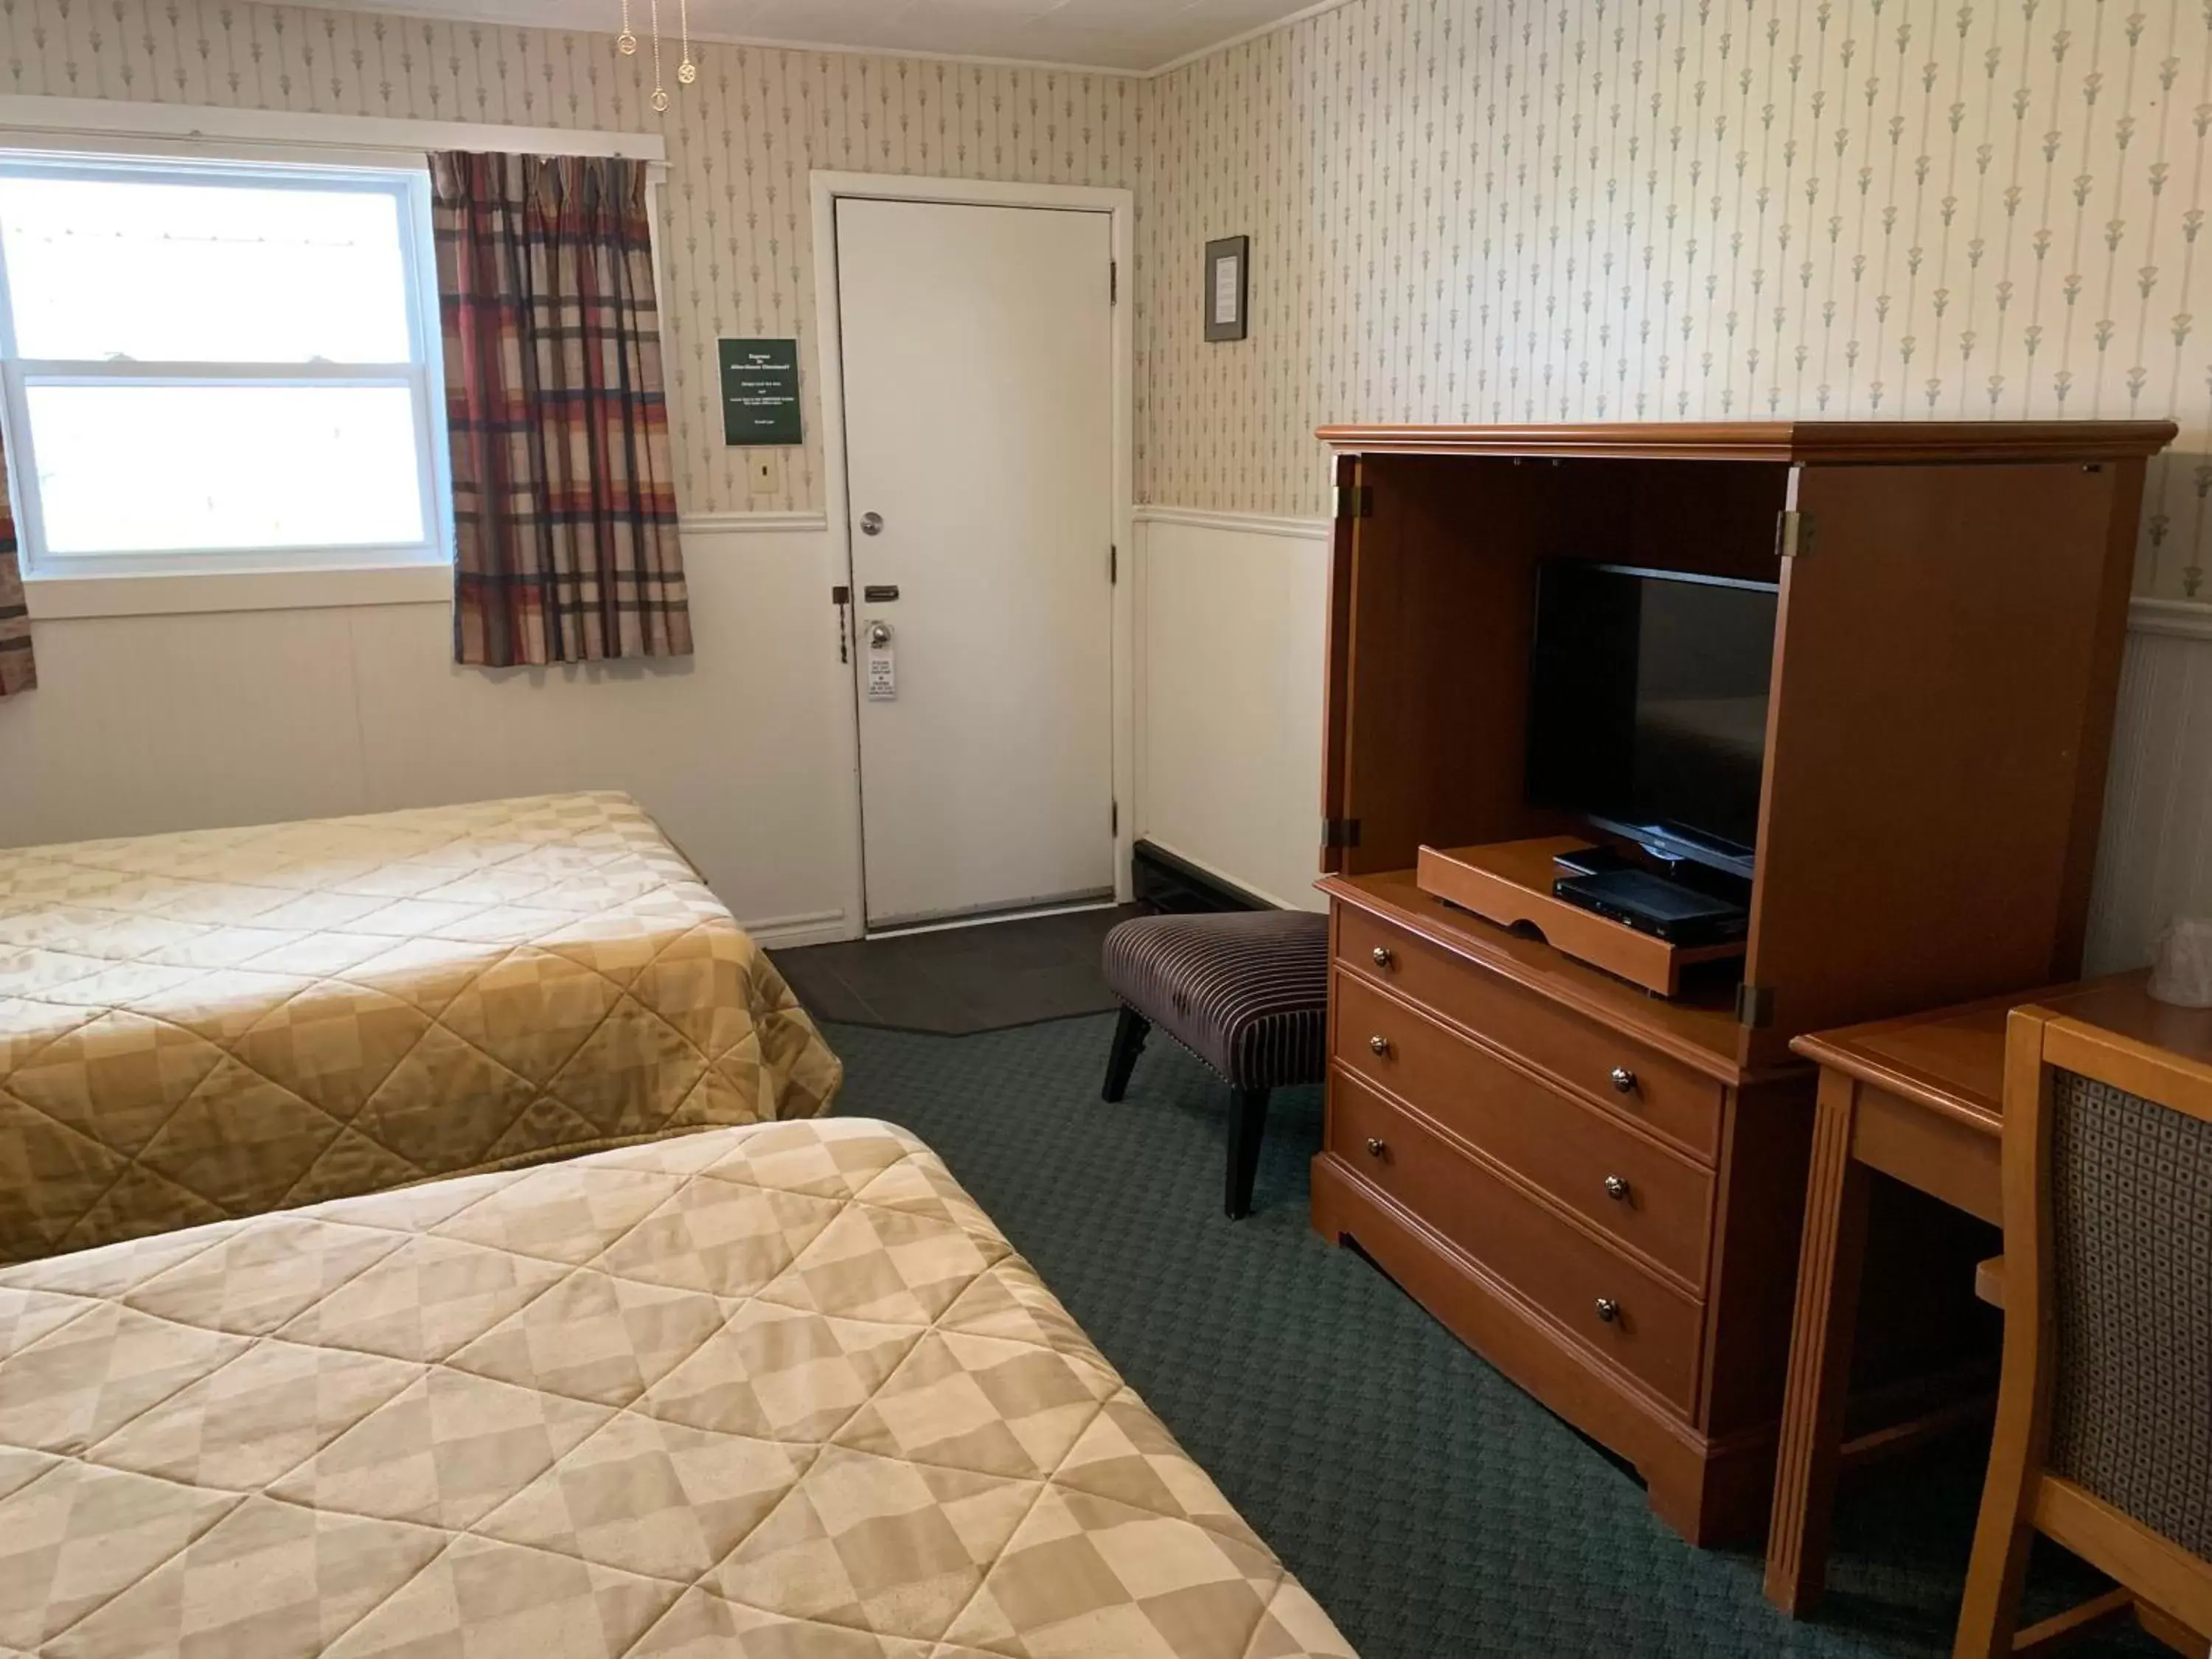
1624, 1080
879, 634
1609, 1310
871, 524
1615, 1188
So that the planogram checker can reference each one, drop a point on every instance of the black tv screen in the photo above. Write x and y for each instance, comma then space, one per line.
1647, 704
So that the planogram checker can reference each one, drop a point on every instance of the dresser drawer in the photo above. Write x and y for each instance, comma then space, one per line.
1653, 1332
1655, 1200
1640, 1083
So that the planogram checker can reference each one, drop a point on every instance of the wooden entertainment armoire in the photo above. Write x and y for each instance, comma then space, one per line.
1600, 1189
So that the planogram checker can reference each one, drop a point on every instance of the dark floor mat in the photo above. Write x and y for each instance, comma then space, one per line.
957, 981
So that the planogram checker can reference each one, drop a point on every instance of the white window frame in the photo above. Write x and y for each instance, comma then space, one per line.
103, 128
420, 375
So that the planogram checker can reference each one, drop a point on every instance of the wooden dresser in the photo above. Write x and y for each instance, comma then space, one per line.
1601, 1190
1548, 1159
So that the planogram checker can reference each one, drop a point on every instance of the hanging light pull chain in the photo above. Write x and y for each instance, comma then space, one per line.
687, 70
659, 92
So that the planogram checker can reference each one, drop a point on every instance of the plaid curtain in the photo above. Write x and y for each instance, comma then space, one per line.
19, 669
564, 506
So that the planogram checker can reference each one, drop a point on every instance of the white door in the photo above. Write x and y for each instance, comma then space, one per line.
979, 407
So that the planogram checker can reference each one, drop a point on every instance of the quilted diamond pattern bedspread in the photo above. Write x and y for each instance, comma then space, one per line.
781, 1392
203, 1026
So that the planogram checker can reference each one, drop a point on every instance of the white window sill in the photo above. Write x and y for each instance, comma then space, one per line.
181, 592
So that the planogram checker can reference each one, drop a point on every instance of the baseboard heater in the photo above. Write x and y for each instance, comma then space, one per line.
1169, 883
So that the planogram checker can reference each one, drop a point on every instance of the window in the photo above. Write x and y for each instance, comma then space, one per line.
214, 366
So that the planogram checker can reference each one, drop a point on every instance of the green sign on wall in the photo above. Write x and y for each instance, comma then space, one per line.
760, 391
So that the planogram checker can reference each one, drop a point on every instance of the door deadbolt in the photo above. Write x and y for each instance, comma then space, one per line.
871, 524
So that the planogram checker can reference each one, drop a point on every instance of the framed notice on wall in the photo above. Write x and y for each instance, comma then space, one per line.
760, 391
1225, 288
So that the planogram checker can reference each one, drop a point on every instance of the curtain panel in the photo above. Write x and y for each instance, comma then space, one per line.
19, 669
564, 503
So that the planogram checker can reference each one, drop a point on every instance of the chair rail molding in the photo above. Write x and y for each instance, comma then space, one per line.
709, 524
2180, 619
1251, 524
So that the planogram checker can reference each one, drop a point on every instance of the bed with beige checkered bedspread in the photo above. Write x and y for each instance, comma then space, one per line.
198, 1027
782, 1392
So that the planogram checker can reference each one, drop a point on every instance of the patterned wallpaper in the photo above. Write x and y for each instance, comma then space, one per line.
736, 222
1623, 209
1459, 209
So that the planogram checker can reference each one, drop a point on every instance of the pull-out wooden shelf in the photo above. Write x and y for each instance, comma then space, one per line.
1510, 883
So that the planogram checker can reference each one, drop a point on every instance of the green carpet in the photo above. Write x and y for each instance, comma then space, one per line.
1435, 1509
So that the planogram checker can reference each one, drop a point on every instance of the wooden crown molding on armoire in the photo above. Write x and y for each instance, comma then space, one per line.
1600, 1189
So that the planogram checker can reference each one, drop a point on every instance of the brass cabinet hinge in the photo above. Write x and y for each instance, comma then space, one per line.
1793, 534
1354, 501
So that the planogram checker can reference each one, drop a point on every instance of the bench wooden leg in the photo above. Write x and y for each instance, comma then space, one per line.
1248, 1123
1128, 1042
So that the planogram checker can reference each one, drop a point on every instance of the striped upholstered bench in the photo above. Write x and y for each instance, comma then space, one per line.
1246, 991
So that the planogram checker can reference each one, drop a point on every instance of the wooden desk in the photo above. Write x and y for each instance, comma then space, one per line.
1920, 1099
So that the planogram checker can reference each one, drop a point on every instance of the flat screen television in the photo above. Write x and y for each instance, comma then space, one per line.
1647, 705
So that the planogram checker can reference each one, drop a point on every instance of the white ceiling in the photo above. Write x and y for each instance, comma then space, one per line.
1124, 35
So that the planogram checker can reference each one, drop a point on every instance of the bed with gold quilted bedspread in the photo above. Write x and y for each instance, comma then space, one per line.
202, 1026
782, 1392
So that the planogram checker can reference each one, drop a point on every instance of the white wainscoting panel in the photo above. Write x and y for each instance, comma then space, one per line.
1231, 648
1230, 677
2155, 859
145, 723
142, 724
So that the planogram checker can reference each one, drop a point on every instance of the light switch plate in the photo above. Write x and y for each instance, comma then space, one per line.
763, 472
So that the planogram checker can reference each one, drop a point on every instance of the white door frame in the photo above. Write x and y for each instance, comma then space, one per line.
1121, 205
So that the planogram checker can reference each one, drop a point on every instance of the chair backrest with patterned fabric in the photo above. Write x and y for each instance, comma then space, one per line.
2104, 1427
2130, 1295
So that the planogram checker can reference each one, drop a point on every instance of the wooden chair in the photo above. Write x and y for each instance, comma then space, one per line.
2104, 1429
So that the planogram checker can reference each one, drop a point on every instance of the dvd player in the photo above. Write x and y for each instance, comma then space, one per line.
1652, 904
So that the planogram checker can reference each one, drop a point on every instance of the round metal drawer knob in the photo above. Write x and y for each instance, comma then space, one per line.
1383, 957
1623, 1079
1379, 1044
1375, 1147
1609, 1310
1616, 1188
